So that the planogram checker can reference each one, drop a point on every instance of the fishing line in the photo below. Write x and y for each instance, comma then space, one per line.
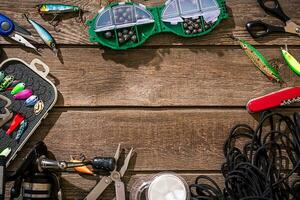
258, 162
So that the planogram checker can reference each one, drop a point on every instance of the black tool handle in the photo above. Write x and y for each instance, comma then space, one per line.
259, 29
2, 176
275, 10
104, 163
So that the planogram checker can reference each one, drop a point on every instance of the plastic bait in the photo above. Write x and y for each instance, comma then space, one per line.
6, 82
44, 34
38, 107
18, 88
259, 61
23, 94
22, 129
291, 61
2, 75
83, 169
31, 101
5, 152
280, 98
15, 123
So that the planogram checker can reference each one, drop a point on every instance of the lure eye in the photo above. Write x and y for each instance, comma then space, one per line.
52, 45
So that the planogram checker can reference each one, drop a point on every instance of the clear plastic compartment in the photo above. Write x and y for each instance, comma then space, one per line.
123, 14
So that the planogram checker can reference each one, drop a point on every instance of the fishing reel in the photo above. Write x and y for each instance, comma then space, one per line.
32, 181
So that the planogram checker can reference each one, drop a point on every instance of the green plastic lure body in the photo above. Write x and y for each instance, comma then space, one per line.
5, 152
260, 61
18, 88
291, 61
6, 82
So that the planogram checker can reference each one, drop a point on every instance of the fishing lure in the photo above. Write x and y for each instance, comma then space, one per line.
82, 169
2, 75
15, 123
58, 10
44, 34
5, 152
31, 101
291, 61
259, 61
38, 107
22, 129
7, 81
23, 94
18, 88
283, 97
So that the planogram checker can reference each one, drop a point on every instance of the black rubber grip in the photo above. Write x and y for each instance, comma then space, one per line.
104, 163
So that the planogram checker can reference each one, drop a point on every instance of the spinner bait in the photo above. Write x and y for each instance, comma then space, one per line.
280, 98
38, 107
44, 34
22, 129
291, 61
2, 75
15, 123
18, 88
31, 101
6, 82
259, 61
23, 94
5, 152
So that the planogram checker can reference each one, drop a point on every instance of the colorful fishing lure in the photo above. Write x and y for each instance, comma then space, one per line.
259, 61
58, 10
15, 123
6, 82
23, 94
291, 61
82, 169
5, 152
31, 101
18, 88
22, 129
38, 107
280, 98
44, 34
2, 75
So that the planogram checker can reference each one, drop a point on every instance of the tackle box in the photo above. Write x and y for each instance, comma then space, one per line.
126, 25
44, 89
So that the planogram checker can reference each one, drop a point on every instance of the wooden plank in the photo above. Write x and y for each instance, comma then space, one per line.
189, 139
74, 33
73, 188
159, 77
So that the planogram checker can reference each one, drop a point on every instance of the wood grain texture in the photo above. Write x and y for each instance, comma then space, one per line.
181, 140
239, 10
159, 77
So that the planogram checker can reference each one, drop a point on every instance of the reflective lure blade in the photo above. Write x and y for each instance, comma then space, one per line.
291, 61
31, 101
38, 107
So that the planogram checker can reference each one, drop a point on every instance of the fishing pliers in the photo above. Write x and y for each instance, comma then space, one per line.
115, 176
9, 28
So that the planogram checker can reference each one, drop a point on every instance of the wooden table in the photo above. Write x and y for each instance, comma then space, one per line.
172, 99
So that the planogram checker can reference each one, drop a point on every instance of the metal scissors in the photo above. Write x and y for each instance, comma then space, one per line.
259, 29
9, 28
115, 176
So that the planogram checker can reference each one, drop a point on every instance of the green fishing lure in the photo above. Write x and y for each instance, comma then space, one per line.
260, 61
18, 88
291, 61
6, 82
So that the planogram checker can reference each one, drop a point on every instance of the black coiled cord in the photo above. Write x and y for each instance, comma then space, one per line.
260, 168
